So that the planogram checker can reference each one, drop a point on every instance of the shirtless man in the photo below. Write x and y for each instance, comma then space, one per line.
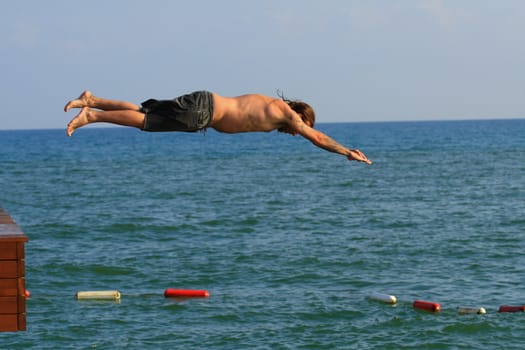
202, 109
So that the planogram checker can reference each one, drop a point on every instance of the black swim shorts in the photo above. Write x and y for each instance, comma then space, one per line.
190, 113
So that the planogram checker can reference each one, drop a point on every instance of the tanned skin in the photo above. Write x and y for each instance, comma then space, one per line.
246, 113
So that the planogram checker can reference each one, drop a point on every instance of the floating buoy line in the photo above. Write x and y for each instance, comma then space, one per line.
115, 295
421, 305
433, 307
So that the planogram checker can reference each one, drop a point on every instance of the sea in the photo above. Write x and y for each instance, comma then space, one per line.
288, 239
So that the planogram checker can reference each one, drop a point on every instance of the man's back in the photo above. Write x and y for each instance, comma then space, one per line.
248, 113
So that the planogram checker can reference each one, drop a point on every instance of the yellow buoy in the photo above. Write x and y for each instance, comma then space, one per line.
99, 295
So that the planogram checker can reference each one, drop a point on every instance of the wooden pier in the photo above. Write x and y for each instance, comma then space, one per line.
12, 275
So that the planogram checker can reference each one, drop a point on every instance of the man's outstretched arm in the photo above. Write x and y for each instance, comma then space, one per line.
327, 143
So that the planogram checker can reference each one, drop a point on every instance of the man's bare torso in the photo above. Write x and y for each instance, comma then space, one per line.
249, 113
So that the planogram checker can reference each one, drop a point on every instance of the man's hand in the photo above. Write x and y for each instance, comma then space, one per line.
356, 154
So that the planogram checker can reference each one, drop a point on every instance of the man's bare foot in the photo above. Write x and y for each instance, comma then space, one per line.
82, 101
80, 120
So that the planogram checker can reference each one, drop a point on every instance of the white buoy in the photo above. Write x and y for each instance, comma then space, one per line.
385, 298
99, 295
470, 310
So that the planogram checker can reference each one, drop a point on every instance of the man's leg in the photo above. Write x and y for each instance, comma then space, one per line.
127, 117
87, 99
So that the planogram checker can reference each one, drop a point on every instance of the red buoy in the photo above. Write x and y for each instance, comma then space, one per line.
186, 293
426, 306
507, 308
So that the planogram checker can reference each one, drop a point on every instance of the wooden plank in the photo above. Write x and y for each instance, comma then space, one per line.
8, 227
11, 250
8, 305
12, 305
11, 286
11, 232
8, 250
5, 218
9, 323
9, 269
22, 321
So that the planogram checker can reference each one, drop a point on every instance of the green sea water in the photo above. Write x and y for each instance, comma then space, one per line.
288, 239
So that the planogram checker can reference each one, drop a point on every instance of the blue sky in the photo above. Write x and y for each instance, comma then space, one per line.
368, 60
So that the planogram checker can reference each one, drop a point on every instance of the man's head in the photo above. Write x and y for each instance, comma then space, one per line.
303, 109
